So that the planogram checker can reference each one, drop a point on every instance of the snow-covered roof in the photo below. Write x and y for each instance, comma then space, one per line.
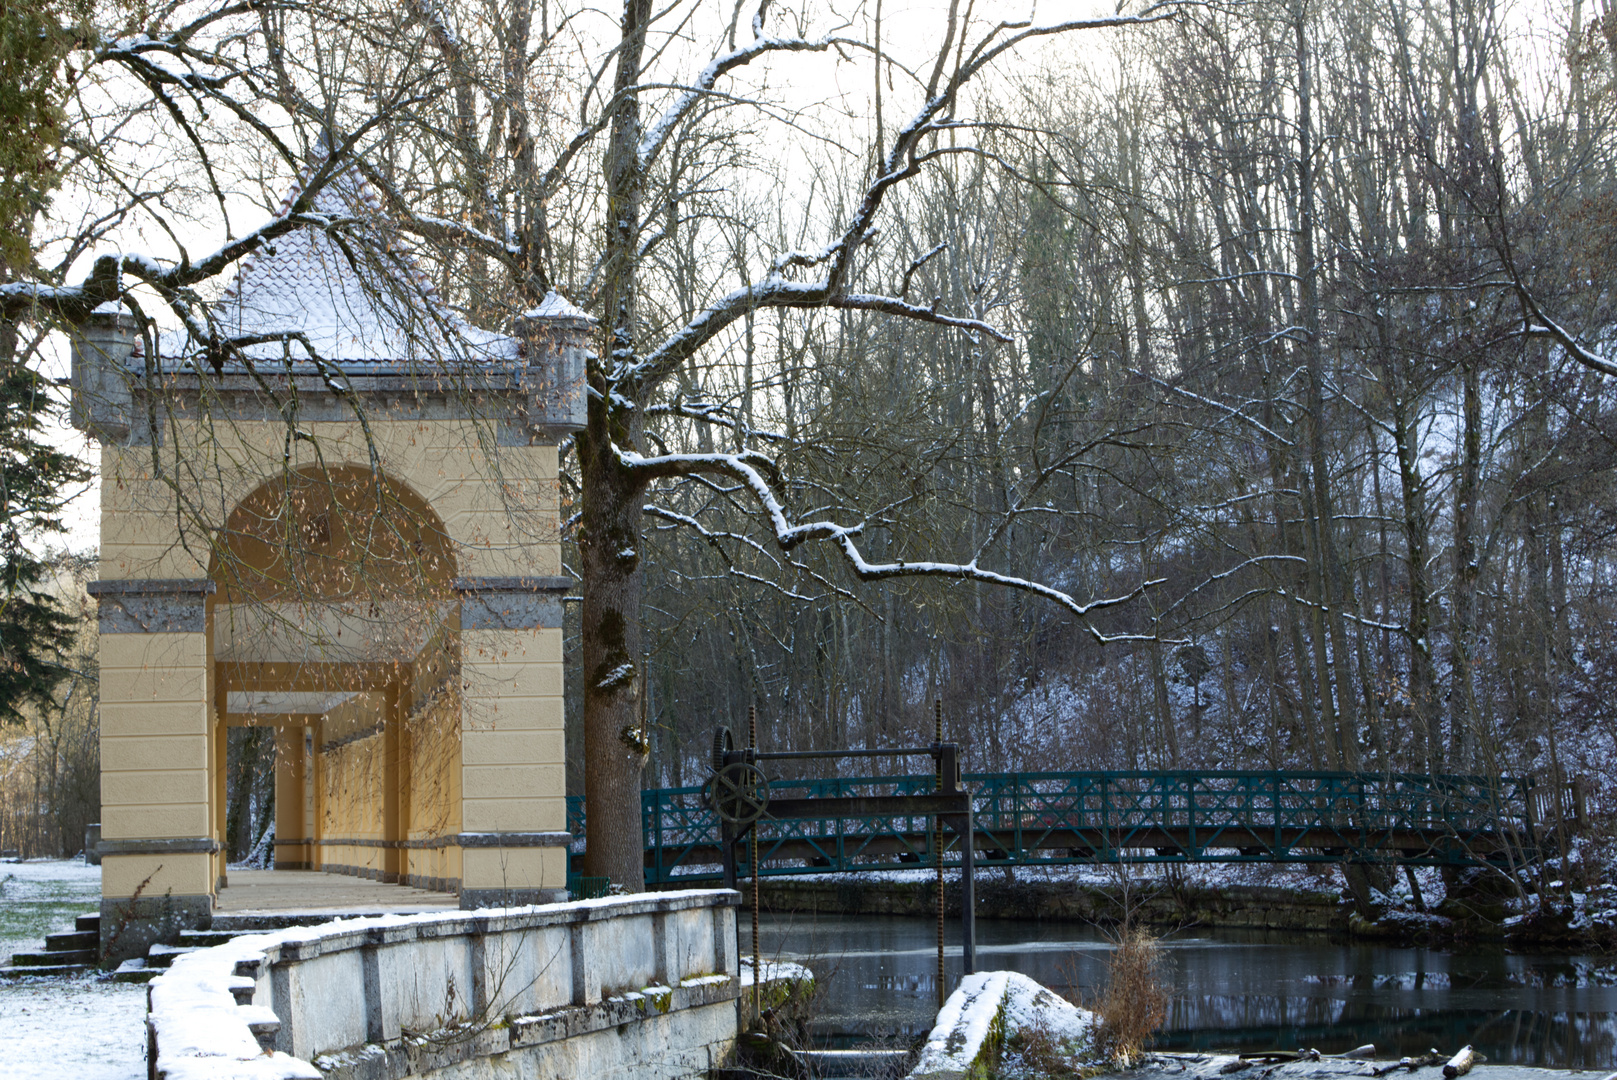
557, 306
365, 303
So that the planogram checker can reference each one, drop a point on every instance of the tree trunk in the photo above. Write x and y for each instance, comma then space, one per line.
1466, 572
615, 743
1422, 678
615, 746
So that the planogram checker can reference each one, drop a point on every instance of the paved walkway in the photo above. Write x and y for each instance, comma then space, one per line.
284, 891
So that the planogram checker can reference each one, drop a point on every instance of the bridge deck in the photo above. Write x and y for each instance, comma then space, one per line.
1028, 819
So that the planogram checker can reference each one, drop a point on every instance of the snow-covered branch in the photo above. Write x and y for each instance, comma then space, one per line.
656, 134
776, 292
902, 160
750, 470
709, 413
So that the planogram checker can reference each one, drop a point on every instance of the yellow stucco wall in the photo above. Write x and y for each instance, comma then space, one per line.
485, 746
498, 503
351, 784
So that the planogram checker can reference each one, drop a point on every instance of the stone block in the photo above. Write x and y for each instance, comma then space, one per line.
121, 822
130, 926
505, 876
153, 754
503, 746
511, 782
146, 788
321, 1003
547, 814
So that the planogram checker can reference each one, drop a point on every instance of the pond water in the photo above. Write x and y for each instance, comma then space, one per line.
1232, 990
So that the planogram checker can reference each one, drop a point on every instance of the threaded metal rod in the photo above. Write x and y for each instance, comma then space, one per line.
757, 960
937, 848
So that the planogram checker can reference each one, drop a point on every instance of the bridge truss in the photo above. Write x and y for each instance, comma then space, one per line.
1066, 818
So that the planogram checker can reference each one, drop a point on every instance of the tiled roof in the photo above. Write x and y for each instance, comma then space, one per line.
365, 302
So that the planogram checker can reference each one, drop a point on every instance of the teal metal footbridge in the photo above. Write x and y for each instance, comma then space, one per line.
1065, 818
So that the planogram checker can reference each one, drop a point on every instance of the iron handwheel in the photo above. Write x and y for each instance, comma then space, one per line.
739, 793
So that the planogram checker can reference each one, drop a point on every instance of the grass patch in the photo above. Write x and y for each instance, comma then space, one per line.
42, 897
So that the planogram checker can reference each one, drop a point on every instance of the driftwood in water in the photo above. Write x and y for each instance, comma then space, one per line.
1273, 1057
1367, 1052
1420, 1061
1460, 1063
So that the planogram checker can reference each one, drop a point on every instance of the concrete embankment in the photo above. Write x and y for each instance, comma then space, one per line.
1165, 902
1158, 903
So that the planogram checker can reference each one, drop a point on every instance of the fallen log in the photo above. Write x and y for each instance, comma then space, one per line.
1460, 1063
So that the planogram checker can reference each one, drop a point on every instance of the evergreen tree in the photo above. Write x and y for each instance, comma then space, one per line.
33, 48
35, 480
35, 477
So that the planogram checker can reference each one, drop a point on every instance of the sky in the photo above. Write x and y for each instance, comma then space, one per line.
838, 89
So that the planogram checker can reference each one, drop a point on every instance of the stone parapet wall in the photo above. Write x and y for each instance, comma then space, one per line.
385, 997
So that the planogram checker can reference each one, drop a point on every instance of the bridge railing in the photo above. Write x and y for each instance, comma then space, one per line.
1036, 818
1272, 811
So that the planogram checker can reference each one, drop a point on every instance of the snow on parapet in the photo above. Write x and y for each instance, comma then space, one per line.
557, 306
201, 1033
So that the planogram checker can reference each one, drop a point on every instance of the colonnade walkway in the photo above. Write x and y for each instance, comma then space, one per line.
265, 896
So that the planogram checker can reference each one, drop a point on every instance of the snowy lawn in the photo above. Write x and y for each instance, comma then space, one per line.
62, 1029
42, 896
72, 1029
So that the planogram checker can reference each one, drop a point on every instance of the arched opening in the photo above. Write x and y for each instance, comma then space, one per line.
335, 625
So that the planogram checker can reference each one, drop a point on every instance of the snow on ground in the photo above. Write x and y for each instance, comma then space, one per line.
41, 896
774, 971
1302, 877
62, 1029
72, 1029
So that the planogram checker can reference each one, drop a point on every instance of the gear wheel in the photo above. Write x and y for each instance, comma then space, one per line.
723, 743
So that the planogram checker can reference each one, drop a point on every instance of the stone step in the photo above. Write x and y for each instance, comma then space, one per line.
134, 970
160, 956
41, 971
88, 923
73, 941
53, 958
279, 920
205, 938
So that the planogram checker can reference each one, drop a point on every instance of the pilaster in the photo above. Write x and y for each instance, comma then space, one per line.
513, 795
158, 843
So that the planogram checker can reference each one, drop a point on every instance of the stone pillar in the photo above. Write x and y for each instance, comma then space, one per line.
513, 785
292, 831
158, 844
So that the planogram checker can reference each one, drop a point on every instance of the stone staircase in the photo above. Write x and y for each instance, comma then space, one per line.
71, 952
157, 959
77, 951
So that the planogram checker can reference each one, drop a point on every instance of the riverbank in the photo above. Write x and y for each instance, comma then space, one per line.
1234, 990
1285, 902
1223, 1066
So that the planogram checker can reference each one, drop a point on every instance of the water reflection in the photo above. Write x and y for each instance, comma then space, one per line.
1236, 990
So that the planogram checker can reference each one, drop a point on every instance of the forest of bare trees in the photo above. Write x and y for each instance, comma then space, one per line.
1192, 385
1306, 305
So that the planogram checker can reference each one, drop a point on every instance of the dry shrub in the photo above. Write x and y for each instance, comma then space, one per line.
1033, 1050
1135, 1003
